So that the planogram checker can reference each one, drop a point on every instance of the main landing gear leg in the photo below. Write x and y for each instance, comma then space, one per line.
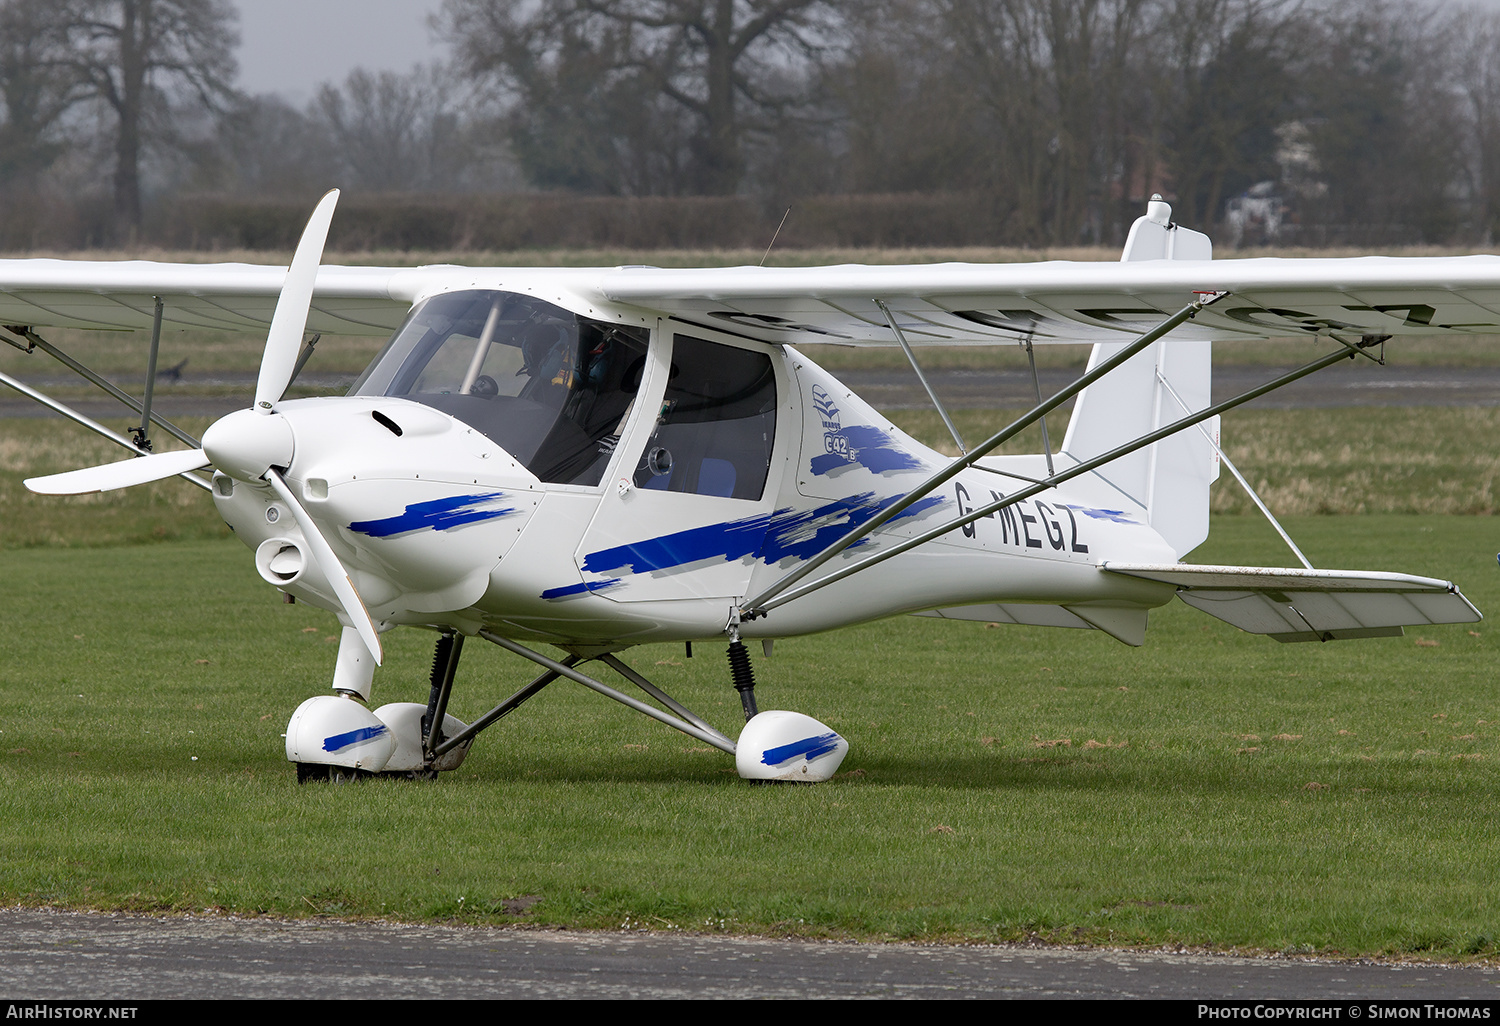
444, 666
743, 676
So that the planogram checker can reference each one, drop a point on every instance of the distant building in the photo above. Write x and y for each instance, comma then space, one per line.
1266, 213
1254, 217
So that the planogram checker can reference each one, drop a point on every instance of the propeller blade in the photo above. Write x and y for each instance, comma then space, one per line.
284, 340
109, 476
328, 562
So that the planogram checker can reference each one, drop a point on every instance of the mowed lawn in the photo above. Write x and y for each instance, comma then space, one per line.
1211, 788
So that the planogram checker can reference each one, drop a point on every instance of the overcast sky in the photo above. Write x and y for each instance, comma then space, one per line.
291, 46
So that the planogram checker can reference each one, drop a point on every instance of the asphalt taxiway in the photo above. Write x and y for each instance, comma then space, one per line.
73, 956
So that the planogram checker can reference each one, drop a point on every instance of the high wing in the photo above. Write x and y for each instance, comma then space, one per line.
986, 304
934, 304
121, 295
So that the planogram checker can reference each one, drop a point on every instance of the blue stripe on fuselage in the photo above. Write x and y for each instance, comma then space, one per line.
436, 515
570, 590
770, 537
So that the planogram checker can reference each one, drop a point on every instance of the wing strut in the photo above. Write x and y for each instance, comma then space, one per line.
142, 434
1224, 457
1058, 478
94, 426
37, 342
911, 358
1036, 383
758, 605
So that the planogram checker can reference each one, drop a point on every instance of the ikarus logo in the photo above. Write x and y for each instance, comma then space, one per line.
846, 448
834, 441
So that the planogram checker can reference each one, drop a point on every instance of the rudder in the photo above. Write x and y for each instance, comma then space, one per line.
1168, 481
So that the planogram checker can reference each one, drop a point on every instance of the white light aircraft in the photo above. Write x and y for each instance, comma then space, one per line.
599, 458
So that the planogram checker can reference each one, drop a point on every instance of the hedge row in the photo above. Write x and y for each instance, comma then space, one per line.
515, 222
48, 220
512, 222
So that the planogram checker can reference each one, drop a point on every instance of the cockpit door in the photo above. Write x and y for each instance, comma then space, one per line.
690, 503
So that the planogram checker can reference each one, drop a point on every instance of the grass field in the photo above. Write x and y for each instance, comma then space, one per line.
1211, 788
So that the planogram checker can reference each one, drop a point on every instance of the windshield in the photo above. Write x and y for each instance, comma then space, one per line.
549, 387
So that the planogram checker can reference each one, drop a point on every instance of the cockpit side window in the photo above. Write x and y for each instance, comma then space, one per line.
550, 387
717, 423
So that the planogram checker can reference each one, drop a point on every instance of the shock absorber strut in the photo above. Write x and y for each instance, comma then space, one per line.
743, 677
444, 666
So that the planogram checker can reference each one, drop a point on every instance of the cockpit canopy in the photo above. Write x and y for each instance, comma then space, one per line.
550, 387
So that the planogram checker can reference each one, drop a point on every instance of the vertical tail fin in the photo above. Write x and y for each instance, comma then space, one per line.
1168, 481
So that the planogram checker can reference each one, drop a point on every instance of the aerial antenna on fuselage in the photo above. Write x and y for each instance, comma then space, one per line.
774, 235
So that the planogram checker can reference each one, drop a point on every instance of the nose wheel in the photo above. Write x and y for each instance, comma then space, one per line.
313, 773
338, 738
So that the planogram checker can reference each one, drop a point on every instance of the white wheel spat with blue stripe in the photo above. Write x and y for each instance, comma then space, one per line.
331, 730
782, 745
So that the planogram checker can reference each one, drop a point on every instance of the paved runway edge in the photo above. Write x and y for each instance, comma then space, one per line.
51, 955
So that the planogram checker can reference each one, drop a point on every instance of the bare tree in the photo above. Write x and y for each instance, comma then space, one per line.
1225, 77
912, 118
1478, 72
263, 146
711, 61
390, 132
35, 91
1384, 124
1053, 77
131, 55
578, 114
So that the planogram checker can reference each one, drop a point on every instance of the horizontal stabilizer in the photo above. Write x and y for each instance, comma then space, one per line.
1310, 605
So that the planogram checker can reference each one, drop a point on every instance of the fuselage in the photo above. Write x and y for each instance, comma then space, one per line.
609, 477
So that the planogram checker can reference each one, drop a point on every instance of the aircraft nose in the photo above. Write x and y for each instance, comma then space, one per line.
246, 444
